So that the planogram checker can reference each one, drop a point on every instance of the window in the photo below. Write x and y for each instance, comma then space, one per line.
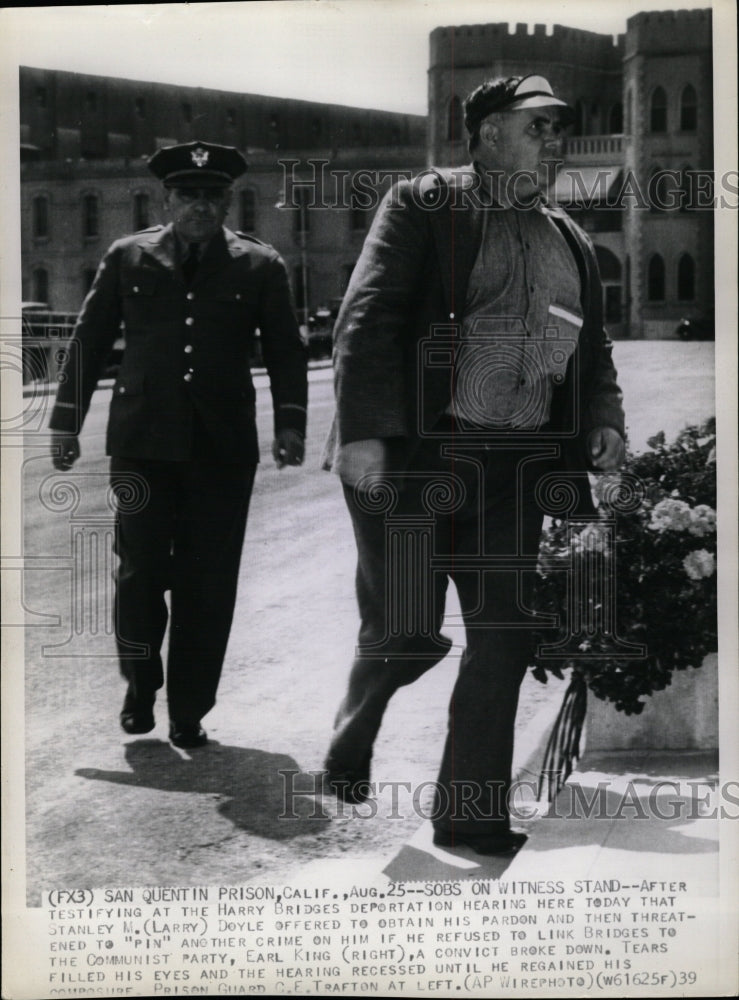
629, 110
91, 100
302, 199
41, 285
616, 119
454, 120
140, 107
40, 95
658, 111
317, 128
656, 279
230, 116
248, 210
141, 217
187, 112
688, 109
40, 217
90, 219
686, 278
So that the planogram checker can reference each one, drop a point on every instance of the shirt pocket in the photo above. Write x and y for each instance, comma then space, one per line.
561, 335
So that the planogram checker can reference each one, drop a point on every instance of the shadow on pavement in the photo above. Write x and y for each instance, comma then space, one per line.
247, 784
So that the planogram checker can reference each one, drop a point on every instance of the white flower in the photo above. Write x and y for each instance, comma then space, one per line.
699, 564
670, 515
702, 520
593, 538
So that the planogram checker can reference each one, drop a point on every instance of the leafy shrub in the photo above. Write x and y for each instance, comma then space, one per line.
654, 539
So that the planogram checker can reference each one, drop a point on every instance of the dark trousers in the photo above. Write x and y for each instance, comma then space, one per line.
469, 515
180, 527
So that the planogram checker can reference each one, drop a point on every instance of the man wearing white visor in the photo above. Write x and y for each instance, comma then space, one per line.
472, 373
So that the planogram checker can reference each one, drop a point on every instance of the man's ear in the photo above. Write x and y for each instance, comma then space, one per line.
489, 134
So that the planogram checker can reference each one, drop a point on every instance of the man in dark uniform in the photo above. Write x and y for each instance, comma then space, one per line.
182, 431
472, 368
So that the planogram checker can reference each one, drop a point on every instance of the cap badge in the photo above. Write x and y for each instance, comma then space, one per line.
200, 156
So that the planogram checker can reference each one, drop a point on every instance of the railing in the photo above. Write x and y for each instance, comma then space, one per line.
586, 145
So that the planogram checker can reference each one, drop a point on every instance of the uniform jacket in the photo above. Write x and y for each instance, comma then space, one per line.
402, 312
187, 350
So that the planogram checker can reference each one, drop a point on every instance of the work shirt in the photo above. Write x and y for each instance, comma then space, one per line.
521, 321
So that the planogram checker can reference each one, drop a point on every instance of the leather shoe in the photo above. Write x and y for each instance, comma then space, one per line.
137, 715
187, 735
501, 843
350, 784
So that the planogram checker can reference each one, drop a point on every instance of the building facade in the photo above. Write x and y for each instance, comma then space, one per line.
637, 171
84, 181
637, 168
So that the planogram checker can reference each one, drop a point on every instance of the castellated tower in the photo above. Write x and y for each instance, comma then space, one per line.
644, 105
668, 101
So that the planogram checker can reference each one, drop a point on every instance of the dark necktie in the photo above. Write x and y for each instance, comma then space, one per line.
190, 263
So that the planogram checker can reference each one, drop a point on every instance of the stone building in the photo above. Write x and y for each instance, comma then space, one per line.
638, 165
637, 168
84, 181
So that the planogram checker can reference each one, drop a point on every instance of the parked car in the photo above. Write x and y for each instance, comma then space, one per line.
697, 328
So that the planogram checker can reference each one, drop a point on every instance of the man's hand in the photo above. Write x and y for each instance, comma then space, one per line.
288, 448
359, 459
606, 449
65, 450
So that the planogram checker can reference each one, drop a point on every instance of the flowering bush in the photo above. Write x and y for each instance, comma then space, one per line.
634, 590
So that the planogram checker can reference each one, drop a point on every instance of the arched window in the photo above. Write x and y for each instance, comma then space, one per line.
40, 217
688, 109
656, 279
658, 111
454, 120
41, 285
248, 210
141, 214
686, 278
90, 216
616, 119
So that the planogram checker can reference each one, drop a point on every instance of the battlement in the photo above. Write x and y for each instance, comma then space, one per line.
480, 44
669, 31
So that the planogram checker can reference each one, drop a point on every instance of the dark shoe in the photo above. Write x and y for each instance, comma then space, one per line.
137, 714
350, 784
503, 843
187, 735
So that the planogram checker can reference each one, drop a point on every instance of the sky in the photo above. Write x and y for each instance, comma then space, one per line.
365, 53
